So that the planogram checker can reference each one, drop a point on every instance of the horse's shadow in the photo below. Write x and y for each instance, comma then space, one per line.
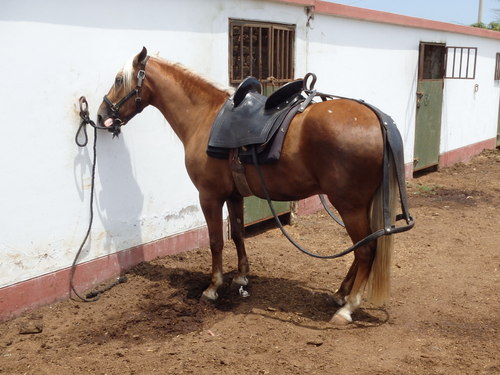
286, 300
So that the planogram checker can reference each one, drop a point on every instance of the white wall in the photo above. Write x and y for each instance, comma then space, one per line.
469, 116
54, 52
379, 63
368, 61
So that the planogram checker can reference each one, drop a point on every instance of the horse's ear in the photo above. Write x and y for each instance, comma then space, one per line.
140, 56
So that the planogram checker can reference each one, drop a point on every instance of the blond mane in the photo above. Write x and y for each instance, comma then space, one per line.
128, 75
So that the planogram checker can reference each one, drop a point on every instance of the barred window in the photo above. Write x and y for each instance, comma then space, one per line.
461, 62
263, 50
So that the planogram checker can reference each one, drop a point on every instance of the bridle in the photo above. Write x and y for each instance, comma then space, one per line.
114, 108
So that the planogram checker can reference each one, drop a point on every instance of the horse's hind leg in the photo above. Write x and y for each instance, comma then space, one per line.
235, 208
358, 227
346, 285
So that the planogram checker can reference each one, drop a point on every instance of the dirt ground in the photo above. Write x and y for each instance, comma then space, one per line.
443, 318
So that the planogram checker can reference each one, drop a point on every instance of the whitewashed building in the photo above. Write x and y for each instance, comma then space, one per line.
440, 82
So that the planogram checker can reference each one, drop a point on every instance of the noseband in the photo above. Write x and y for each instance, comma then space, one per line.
115, 108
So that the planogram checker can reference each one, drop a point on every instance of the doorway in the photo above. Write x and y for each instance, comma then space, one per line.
431, 72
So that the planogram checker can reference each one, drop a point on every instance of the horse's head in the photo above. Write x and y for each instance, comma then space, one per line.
126, 98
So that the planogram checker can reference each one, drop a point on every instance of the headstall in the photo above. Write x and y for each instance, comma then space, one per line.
114, 108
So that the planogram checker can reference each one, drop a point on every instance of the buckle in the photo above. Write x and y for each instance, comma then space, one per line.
141, 74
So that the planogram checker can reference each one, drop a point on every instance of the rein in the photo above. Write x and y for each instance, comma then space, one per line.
389, 228
329, 211
364, 241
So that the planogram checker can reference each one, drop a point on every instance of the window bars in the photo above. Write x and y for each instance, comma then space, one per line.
461, 62
262, 50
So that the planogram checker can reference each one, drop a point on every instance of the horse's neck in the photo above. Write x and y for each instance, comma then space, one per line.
188, 102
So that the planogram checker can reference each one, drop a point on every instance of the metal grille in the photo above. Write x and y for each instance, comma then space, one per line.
262, 50
461, 62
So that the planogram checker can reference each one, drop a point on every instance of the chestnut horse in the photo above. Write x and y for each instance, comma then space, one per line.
333, 148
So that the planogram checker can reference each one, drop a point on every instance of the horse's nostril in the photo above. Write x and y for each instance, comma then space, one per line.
99, 119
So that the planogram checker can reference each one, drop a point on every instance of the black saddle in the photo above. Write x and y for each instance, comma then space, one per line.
250, 84
249, 118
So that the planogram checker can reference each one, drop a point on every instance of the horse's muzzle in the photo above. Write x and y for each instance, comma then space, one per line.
112, 124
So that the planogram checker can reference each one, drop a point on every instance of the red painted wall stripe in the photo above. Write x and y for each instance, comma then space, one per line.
42, 290
464, 154
363, 14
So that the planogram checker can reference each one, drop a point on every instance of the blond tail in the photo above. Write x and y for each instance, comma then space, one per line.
379, 281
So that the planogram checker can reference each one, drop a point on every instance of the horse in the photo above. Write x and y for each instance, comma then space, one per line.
334, 148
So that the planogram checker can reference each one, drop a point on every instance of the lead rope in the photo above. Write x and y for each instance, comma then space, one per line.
84, 115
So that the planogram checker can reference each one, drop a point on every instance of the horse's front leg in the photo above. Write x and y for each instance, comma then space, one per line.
212, 210
235, 208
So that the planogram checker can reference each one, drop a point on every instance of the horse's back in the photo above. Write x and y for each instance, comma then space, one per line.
343, 126
332, 145
337, 132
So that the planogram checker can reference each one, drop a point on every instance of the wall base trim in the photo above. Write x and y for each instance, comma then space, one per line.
464, 154
42, 290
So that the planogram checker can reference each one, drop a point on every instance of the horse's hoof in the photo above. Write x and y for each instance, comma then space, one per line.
341, 319
208, 296
239, 281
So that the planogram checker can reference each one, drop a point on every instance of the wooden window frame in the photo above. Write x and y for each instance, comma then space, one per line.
264, 50
426, 60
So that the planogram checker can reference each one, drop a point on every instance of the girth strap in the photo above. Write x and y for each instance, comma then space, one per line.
238, 171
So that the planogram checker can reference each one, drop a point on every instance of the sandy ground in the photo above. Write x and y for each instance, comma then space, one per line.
443, 318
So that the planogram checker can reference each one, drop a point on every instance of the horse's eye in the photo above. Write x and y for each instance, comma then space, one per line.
118, 81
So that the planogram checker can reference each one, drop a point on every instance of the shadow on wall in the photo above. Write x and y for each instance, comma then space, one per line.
118, 199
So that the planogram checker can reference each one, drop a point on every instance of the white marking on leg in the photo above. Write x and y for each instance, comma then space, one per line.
243, 292
211, 292
352, 303
345, 313
240, 280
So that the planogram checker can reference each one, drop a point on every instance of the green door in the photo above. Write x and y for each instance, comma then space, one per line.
429, 105
256, 209
428, 124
